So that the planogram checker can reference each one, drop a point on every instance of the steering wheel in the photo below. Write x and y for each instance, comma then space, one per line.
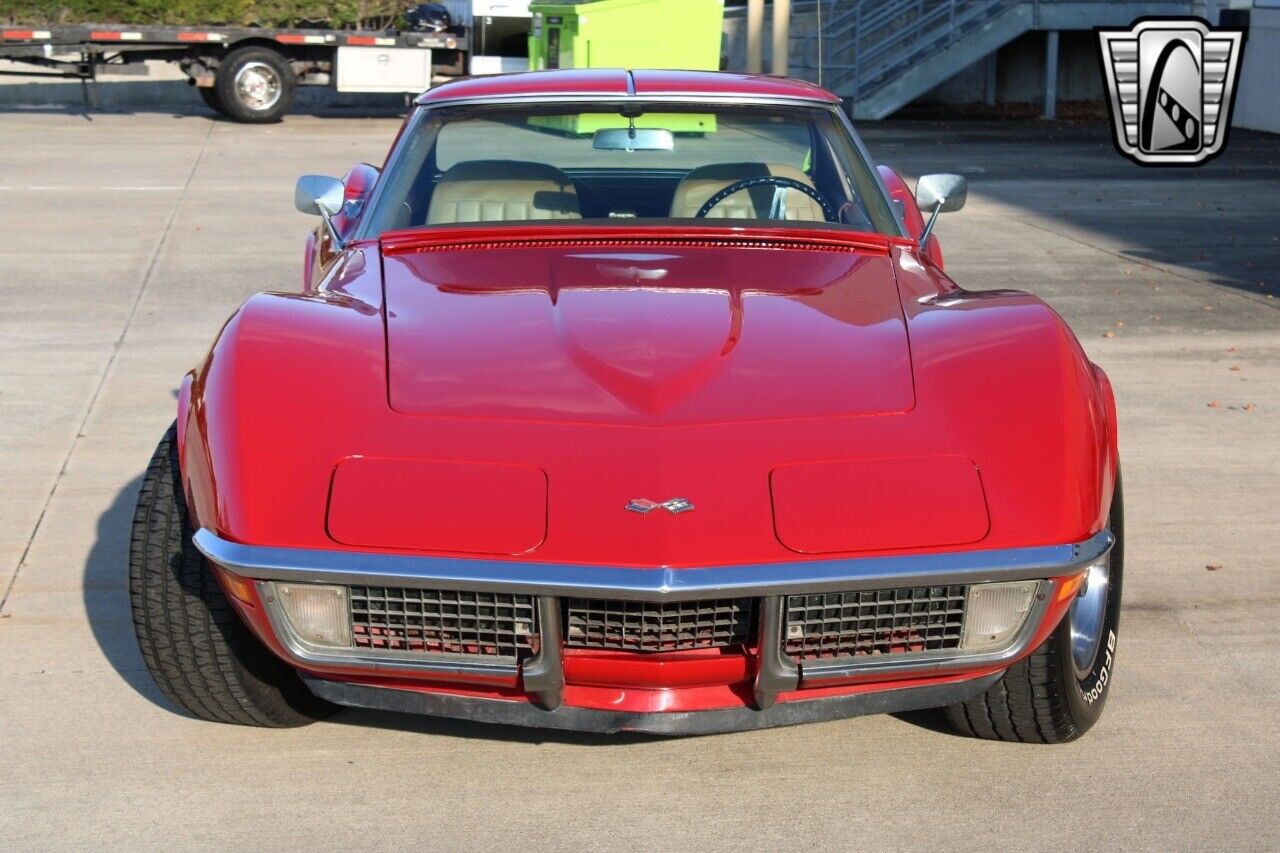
775, 180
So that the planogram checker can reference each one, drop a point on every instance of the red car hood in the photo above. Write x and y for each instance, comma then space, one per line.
629, 333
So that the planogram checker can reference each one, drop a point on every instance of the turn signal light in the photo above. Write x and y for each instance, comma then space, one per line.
1071, 586
238, 587
319, 615
995, 612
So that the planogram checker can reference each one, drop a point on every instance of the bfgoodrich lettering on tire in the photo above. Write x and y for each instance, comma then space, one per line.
1057, 693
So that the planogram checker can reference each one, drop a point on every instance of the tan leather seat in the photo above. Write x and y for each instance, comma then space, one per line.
754, 203
502, 191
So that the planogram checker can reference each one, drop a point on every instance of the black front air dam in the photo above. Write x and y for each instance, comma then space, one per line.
516, 713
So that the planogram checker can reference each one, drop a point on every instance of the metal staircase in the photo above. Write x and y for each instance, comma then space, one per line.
883, 54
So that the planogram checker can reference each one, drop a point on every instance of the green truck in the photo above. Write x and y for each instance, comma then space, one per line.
628, 34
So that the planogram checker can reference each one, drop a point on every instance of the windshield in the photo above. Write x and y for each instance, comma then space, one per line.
635, 163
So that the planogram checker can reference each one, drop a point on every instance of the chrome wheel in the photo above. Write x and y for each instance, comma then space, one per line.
1087, 616
258, 86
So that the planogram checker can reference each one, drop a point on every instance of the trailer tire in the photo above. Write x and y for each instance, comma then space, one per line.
255, 85
209, 95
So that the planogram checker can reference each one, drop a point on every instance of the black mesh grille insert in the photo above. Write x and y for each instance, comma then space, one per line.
438, 621
873, 622
641, 626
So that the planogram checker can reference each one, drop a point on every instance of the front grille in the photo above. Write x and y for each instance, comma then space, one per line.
439, 621
874, 622
639, 626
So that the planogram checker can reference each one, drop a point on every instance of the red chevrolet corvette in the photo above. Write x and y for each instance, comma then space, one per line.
635, 401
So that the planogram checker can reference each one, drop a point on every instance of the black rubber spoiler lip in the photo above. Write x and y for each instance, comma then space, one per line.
670, 723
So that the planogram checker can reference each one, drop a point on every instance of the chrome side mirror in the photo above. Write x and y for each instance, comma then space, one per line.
950, 191
942, 194
320, 195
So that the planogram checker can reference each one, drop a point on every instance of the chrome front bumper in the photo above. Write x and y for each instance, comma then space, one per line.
543, 675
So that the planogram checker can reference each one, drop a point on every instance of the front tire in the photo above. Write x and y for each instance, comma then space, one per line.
202, 657
255, 85
1057, 693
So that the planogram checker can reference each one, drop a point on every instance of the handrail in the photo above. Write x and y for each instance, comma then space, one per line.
865, 41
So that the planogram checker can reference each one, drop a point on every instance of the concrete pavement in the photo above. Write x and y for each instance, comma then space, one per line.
125, 241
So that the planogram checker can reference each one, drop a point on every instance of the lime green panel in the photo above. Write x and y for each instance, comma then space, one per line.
588, 123
682, 34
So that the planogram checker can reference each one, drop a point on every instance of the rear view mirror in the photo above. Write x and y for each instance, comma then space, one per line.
950, 191
634, 139
319, 195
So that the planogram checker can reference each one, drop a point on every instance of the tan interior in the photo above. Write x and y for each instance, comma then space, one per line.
753, 203
502, 191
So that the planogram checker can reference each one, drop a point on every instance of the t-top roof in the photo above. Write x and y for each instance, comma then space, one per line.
618, 82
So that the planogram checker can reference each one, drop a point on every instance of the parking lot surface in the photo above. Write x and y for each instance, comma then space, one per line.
126, 240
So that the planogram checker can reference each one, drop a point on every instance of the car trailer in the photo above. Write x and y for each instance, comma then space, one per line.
249, 74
